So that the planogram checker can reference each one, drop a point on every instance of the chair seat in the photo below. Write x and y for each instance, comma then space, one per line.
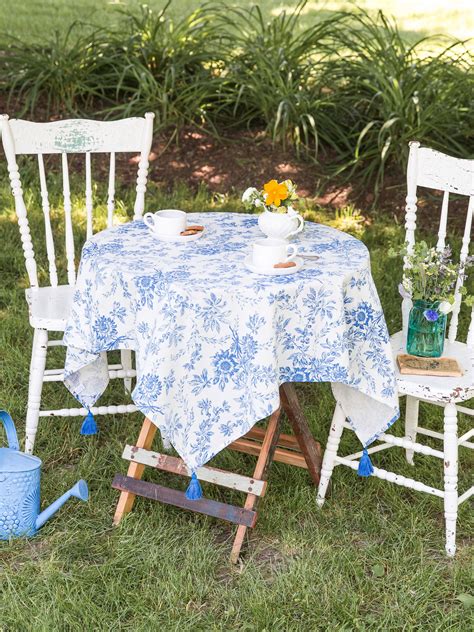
441, 389
49, 307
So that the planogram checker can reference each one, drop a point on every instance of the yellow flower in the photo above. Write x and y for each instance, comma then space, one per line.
275, 192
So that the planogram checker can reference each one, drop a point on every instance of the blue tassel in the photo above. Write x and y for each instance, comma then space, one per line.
365, 465
194, 491
89, 427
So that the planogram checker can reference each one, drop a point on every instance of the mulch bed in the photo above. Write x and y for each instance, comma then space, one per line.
242, 159
249, 158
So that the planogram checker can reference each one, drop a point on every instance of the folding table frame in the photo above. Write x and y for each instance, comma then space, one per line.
299, 449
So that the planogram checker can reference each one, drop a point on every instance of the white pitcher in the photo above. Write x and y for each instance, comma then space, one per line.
281, 225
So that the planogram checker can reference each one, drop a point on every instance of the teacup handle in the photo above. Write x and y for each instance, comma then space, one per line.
300, 227
291, 256
149, 220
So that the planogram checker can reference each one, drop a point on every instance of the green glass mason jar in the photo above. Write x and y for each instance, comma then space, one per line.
426, 333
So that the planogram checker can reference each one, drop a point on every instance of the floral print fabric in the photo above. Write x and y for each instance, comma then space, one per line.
213, 341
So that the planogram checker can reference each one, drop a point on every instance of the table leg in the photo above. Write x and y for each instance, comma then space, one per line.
310, 448
135, 470
261, 470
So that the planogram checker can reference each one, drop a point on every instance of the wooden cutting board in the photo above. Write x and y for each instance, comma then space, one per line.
441, 367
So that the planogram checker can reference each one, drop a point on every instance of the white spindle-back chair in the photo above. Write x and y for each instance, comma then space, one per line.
433, 170
49, 305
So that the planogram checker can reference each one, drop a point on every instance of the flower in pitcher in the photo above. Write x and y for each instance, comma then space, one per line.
275, 192
275, 196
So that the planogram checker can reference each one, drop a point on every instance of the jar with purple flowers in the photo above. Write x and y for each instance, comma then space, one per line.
434, 285
426, 329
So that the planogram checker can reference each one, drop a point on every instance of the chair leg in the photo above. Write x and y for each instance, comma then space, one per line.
411, 424
330, 453
31, 361
450, 476
126, 361
37, 367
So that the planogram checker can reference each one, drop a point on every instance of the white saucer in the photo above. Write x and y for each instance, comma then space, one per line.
274, 271
178, 238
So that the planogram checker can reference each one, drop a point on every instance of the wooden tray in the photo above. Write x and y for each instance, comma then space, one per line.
441, 367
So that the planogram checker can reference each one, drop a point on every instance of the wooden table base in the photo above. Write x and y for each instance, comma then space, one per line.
299, 449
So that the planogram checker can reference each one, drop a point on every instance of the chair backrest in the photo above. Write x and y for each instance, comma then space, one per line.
75, 136
434, 170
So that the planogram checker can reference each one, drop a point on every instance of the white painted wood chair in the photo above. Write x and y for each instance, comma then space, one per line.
434, 170
49, 305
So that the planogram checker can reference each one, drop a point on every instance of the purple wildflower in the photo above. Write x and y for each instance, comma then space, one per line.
431, 315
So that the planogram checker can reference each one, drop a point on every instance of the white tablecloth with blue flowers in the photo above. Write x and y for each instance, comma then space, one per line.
213, 341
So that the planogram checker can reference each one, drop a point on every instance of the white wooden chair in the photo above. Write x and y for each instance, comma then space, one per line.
49, 306
434, 170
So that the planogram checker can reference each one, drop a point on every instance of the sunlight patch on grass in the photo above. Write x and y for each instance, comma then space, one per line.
348, 218
36, 19
426, 17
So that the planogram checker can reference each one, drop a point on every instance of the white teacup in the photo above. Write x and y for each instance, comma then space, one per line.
268, 252
169, 222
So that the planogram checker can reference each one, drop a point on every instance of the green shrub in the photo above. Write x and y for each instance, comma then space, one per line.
148, 62
396, 93
156, 63
272, 76
348, 91
60, 76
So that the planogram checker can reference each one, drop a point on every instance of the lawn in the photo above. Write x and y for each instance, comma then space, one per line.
372, 559
40, 18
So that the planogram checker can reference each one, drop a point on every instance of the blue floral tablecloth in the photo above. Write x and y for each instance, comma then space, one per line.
214, 341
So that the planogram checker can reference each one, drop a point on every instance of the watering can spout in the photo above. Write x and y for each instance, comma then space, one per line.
79, 490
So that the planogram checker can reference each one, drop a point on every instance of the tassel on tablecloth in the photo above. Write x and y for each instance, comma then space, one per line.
89, 426
194, 491
365, 465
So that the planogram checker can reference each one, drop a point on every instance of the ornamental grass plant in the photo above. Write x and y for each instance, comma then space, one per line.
372, 560
147, 62
54, 77
396, 92
347, 91
155, 63
272, 77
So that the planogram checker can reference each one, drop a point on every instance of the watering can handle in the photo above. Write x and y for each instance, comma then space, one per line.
10, 430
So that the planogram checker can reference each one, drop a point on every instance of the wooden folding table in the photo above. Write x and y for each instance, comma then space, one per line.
269, 444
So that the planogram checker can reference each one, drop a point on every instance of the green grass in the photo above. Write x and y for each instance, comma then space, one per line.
372, 559
35, 19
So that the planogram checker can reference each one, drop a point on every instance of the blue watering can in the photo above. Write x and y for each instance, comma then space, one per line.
20, 489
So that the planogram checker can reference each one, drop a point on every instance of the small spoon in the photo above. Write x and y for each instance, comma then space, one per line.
312, 257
